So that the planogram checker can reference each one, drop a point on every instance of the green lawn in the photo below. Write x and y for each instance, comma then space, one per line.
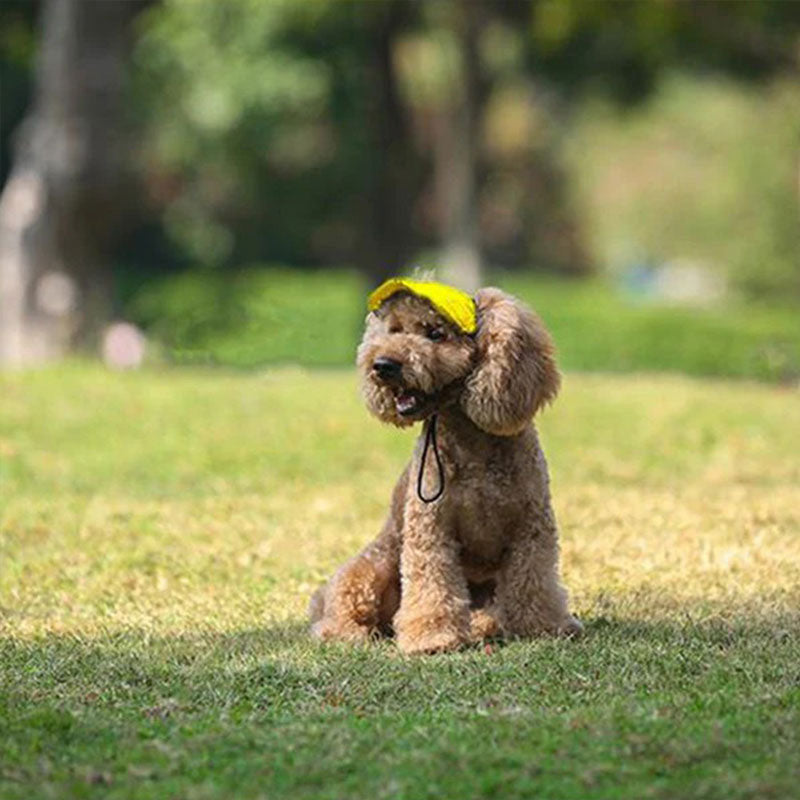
272, 316
160, 533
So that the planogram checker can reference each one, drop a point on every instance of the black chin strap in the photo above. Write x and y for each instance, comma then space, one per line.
430, 438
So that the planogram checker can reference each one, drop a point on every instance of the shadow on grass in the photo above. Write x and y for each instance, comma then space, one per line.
132, 714
281, 669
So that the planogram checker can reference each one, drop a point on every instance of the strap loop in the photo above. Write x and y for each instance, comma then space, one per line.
430, 438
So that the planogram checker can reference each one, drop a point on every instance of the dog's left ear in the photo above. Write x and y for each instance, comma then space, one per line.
516, 372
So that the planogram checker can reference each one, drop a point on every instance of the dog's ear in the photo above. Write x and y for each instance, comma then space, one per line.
515, 372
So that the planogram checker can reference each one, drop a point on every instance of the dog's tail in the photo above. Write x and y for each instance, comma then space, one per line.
316, 607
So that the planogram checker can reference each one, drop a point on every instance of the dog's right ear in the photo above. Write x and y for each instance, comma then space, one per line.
515, 373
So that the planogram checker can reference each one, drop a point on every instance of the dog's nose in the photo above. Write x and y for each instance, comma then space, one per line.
387, 368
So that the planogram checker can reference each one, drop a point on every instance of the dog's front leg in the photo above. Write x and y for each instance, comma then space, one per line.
530, 596
434, 604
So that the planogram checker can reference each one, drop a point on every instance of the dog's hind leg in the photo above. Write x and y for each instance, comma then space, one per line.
357, 600
364, 594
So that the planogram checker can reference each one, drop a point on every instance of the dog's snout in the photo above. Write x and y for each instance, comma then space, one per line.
387, 368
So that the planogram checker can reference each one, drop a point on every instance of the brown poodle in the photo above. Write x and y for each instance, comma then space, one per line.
470, 547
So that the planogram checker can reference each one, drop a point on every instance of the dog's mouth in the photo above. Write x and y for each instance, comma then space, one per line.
409, 402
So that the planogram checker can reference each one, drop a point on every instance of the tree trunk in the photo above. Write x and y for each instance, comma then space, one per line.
394, 182
457, 158
66, 194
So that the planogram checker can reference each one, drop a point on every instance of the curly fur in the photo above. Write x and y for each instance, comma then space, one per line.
481, 561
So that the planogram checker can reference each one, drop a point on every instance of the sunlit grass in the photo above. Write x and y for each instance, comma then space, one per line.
160, 533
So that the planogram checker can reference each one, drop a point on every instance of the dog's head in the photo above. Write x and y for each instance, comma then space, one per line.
414, 362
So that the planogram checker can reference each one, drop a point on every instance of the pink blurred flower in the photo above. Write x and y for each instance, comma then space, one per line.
124, 346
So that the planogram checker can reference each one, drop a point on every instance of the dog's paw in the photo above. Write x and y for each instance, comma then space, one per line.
327, 631
440, 642
429, 635
483, 625
571, 628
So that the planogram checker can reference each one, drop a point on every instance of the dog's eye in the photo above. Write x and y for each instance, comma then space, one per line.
435, 334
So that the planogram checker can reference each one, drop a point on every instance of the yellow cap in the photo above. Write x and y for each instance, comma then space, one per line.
457, 306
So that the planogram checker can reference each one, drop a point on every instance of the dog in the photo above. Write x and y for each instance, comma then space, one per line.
470, 547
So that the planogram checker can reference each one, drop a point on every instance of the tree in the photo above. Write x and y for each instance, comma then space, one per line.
457, 155
67, 193
394, 180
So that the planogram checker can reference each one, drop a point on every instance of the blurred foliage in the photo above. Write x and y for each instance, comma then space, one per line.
703, 171
263, 138
274, 132
620, 48
17, 48
247, 127
255, 316
262, 141
266, 316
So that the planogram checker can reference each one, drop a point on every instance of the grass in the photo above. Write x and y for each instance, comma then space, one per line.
160, 533
272, 316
